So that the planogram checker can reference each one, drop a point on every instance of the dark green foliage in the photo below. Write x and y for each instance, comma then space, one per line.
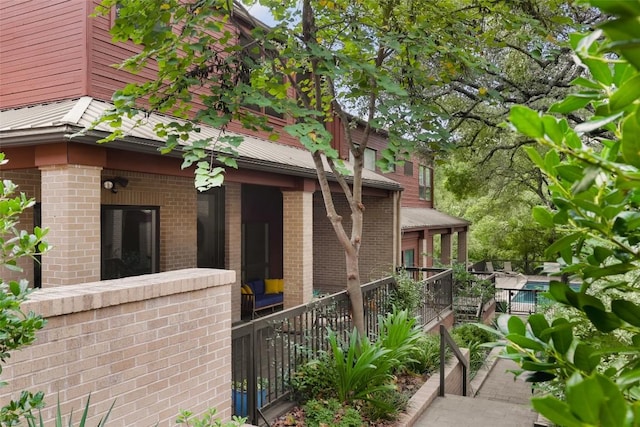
428, 355
593, 175
408, 293
467, 284
320, 413
472, 337
315, 379
400, 334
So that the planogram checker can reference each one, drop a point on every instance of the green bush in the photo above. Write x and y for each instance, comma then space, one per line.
469, 285
207, 420
407, 294
330, 412
427, 358
400, 334
315, 379
472, 337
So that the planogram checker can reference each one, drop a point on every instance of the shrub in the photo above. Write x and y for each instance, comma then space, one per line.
207, 420
407, 294
330, 413
472, 337
469, 285
400, 334
315, 379
427, 358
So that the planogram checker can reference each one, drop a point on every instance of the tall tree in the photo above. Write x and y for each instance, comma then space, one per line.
367, 62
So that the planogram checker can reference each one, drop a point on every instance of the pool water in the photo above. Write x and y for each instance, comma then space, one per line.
529, 297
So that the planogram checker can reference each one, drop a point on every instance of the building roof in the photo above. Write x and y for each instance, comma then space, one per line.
64, 119
428, 218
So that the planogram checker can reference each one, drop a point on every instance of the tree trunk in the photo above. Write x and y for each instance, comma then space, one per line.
355, 291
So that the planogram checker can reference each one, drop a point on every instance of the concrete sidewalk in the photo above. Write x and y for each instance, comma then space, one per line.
501, 401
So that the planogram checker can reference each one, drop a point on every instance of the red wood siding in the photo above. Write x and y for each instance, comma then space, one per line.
378, 142
42, 50
105, 78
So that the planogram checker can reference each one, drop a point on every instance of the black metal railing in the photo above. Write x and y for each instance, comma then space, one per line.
447, 340
519, 301
267, 351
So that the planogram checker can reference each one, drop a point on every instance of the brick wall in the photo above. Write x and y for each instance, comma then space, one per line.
154, 344
177, 198
376, 251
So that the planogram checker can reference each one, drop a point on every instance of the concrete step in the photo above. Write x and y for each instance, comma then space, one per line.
454, 411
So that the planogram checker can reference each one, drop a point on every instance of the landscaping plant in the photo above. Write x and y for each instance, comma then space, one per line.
207, 419
400, 334
330, 412
593, 171
17, 329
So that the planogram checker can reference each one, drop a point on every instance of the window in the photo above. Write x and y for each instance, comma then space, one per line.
408, 258
130, 241
424, 183
369, 158
408, 168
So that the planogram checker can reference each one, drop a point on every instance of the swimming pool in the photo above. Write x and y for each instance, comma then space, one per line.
526, 296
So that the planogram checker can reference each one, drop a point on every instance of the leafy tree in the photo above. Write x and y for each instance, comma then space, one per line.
530, 65
17, 329
367, 62
594, 180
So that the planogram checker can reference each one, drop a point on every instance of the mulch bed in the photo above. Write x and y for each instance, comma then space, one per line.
408, 384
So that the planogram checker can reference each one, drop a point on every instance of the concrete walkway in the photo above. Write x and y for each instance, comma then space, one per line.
500, 402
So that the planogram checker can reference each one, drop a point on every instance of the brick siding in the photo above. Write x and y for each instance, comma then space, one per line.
154, 344
376, 251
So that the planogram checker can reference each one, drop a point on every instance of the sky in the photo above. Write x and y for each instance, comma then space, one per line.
262, 13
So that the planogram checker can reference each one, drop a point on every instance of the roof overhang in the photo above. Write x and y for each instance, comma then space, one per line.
70, 120
421, 218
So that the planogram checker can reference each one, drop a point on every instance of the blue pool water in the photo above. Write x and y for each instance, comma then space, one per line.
529, 297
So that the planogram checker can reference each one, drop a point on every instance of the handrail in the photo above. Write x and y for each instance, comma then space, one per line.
445, 339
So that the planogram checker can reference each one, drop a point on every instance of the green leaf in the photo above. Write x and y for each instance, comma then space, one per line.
524, 342
516, 326
561, 334
555, 411
538, 324
626, 94
535, 157
585, 358
584, 397
562, 243
571, 103
602, 320
613, 410
543, 216
627, 311
599, 69
630, 144
527, 121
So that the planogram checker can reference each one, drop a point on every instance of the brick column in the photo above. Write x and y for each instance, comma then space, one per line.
445, 248
71, 209
297, 211
232, 239
463, 252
